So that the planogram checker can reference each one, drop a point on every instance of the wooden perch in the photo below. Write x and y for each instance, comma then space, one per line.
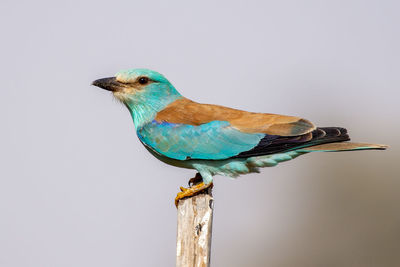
193, 244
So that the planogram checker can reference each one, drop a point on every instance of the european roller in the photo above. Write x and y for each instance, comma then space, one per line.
212, 139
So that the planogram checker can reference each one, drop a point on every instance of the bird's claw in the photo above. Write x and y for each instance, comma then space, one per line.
183, 189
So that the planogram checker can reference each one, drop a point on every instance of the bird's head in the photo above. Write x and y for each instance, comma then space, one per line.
140, 87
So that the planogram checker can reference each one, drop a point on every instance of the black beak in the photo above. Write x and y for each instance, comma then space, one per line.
110, 84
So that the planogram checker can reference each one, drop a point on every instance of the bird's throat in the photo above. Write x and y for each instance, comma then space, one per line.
143, 112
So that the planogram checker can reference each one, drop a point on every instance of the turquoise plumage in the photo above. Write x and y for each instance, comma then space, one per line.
215, 140
211, 139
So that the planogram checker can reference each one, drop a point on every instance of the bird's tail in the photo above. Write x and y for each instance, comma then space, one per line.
343, 146
332, 139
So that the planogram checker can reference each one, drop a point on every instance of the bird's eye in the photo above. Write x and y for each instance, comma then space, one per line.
143, 80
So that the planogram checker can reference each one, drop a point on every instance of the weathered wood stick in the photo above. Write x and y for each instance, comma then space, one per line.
193, 242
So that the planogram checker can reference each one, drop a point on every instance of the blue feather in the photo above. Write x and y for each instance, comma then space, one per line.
215, 140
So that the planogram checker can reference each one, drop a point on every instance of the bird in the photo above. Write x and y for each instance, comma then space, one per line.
213, 139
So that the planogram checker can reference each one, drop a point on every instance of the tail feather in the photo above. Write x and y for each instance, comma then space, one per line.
343, 146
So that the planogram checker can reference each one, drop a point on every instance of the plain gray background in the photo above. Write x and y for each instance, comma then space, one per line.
78, 189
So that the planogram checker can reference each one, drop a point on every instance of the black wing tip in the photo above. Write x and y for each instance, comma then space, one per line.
271, 144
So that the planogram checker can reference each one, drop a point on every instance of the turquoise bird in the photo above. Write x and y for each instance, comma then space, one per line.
212, 139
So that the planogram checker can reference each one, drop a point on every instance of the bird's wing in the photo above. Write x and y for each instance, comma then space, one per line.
215, 140
185, 111
218, 140
186, 130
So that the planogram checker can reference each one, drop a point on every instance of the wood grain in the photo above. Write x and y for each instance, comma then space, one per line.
193, 244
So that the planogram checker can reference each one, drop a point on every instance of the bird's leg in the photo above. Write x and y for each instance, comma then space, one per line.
197, 187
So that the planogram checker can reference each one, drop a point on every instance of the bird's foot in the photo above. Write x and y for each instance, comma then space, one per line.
192, 191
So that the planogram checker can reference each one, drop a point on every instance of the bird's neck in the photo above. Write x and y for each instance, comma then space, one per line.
145, 111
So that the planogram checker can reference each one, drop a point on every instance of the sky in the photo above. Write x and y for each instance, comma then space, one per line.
77, 188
